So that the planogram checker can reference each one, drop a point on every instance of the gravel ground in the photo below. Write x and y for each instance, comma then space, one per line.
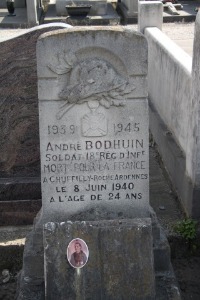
181, 33
10, 33
179, 30
176, 31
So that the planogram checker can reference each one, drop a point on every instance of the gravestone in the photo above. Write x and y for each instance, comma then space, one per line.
83, 12
94, 167
93, 124
98, 7
131, 6
128, 10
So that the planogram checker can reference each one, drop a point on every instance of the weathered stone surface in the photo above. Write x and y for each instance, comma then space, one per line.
20, 188
19, 124
150, 15
33, 7
131, 7
19, 116
19, 134
119, 266
18, 212
93, 124
31, 280
33, 287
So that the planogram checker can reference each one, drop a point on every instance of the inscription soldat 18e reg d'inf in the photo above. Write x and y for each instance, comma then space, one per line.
96, 168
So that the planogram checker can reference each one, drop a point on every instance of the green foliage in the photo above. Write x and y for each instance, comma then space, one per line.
187, 229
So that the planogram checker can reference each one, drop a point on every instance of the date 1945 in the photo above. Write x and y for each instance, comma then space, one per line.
129, 127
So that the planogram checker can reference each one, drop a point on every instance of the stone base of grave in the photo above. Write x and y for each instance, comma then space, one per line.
111, 18
120, 264
113, 269
31, 278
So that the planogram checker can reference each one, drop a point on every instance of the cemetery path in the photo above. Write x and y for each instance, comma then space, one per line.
180, 33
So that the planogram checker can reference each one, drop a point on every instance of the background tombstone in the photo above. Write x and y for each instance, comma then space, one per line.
94, 163
98, 7
129, 10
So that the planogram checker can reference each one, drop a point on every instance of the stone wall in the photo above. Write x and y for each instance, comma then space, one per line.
174, 107
170, 88
170, 83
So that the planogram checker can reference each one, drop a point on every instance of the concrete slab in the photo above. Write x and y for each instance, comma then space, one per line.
187, 14
111, 18
18, 21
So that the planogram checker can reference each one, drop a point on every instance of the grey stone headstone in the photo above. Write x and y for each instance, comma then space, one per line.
98, 7
119, 265
131, 6
93, 123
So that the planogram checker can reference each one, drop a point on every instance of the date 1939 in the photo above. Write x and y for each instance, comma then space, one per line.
62, 129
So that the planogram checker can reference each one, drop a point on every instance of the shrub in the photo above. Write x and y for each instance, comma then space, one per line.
187, 229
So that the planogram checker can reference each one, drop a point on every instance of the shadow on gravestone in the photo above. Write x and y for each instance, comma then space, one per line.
19, 134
